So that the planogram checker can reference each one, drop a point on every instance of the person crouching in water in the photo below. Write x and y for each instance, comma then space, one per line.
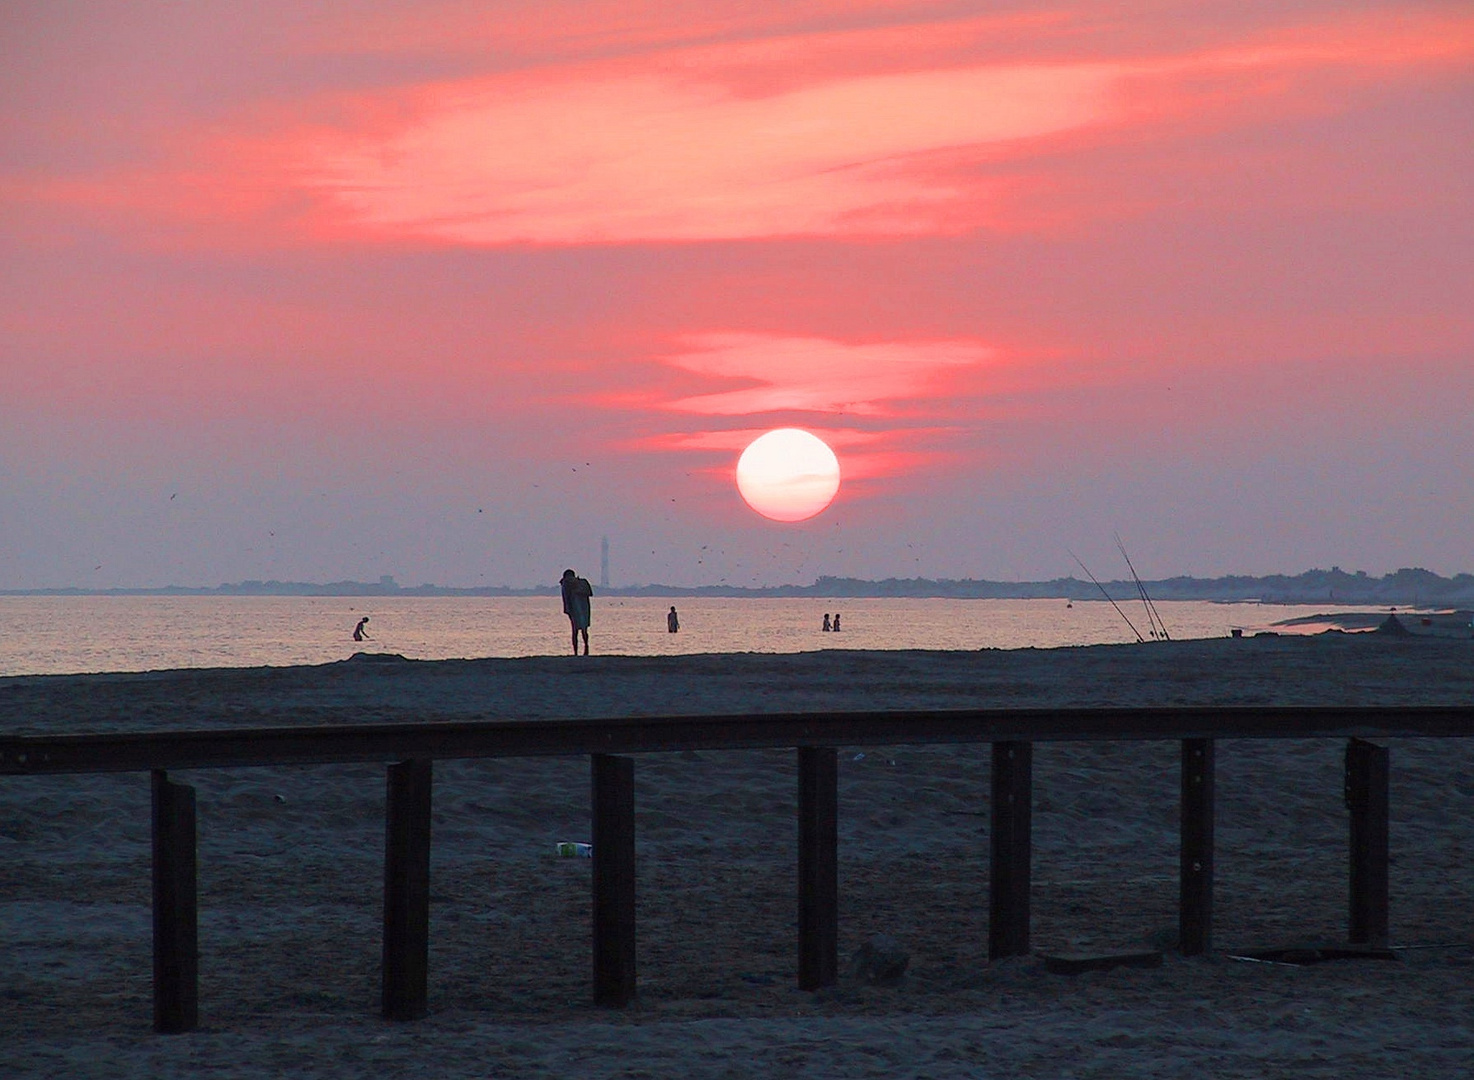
576, 593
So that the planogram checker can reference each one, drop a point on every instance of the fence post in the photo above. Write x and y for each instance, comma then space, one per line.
1366, 798
176, 919
818, 867
614, 879
406, 965
1008, 887
1195, 908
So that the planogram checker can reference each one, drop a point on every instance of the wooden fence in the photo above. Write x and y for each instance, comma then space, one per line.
410, 749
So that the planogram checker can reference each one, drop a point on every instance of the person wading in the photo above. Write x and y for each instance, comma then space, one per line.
576, 593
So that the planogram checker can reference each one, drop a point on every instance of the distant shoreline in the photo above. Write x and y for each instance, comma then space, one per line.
1406, 587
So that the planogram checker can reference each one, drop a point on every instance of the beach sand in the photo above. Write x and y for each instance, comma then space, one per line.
291, 877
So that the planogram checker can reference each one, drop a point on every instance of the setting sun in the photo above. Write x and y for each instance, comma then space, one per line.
788, 474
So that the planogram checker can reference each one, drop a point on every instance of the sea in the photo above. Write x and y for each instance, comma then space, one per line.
51, 635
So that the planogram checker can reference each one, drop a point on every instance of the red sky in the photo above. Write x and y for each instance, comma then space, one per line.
450, 290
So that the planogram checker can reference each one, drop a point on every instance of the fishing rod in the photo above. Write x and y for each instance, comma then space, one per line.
1146, 601
1151, 605
1107, 595
1140, 592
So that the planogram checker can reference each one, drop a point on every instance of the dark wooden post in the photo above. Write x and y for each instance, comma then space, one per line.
1195, 907
176, 918
818, 867
1366, 798
406, 968
1008, 903
614, 879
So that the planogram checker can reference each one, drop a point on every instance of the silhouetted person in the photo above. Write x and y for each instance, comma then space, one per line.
827, 627
673, 621
360, 632
576, 593
836, 622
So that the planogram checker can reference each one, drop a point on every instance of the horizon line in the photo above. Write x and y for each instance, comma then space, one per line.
387, 586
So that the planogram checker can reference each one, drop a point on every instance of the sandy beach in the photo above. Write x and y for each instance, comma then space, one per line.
291, 877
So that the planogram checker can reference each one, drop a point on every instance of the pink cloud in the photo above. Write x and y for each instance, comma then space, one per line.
539, 29
865, 456
805, 374
662, 124
580, 158
742, 142
876, 404
734, 440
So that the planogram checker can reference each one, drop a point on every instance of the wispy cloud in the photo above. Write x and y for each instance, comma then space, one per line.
749, 143
877, 403
864, 455
616, 159
670, 123
807, 374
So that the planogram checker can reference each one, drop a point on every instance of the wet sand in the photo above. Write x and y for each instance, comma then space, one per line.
291, 878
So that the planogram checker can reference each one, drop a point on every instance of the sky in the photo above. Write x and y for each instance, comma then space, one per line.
450, 290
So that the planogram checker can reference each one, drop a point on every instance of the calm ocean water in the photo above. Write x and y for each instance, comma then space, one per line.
62, 635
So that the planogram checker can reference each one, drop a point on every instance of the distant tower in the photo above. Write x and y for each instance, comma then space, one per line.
604, 563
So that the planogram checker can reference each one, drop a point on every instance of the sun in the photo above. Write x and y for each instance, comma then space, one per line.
788, 474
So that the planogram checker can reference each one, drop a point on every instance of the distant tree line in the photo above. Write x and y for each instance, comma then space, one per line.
1415, 587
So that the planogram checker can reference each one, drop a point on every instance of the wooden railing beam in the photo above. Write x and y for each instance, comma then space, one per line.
299, 745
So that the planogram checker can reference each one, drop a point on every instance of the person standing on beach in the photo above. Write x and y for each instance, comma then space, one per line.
360, 632
576, 593
673, 621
